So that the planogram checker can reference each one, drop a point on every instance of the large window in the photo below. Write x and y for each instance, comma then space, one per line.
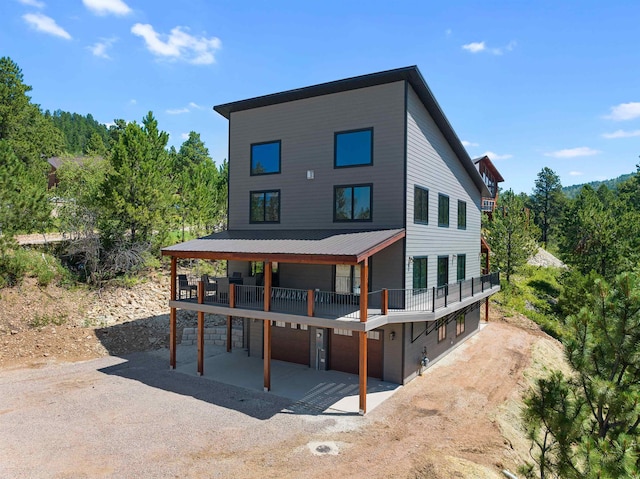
347, 279
443, 210
462, 215
419, 273
462, 267
443, 270
265, 158
265, 206
353, 148
352, 203
421, 205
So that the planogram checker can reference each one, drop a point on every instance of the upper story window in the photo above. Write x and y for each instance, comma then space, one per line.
462, 215
265, 206
265, 158
421, 205
443, 210
353, 148
352, 203
443, 270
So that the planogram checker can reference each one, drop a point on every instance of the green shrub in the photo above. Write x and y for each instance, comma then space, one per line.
40, 321
21, 262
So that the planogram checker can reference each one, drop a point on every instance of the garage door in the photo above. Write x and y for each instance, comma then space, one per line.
290, 342
343, 355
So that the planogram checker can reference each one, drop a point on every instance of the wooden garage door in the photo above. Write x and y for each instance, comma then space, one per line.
343, 355
290, 343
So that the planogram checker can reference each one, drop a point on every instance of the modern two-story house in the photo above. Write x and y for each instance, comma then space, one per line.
353, 238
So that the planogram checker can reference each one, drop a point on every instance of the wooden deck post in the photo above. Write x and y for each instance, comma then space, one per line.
172, 317
310, 302
486, 304
200, 330
229, 345
232, 295
267, 355
268, 271
362, 371
364, 290
385, 302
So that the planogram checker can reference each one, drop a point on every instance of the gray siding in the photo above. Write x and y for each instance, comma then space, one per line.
432, 164
306, 129
256, 328
392, 353
435, 349
387, 268
306, 276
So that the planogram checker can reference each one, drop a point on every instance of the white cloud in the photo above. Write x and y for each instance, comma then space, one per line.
105, 7
184, 136
32, 3
448, 32
624, 111
177, 111
195, 105
477, 47
45, 24
621, 134
467, 144
178, 45
575, 173
573, 152
474, 47
495, 156
133, 101
100, 48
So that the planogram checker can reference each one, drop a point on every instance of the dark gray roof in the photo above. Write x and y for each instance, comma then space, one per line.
410, 74
491, 166
351, 243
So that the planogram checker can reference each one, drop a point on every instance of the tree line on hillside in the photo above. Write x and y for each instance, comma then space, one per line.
119, 202
584, 424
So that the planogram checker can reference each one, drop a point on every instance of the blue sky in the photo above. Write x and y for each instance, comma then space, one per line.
531, 83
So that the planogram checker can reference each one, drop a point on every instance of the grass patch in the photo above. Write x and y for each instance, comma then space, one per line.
39, 321
20, 262
534, 293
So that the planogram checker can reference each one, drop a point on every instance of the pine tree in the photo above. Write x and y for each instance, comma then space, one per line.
547, 203
510, 235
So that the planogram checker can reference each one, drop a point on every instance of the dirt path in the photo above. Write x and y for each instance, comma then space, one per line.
459, 420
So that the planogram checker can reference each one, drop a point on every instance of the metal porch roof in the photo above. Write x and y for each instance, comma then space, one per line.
323, 246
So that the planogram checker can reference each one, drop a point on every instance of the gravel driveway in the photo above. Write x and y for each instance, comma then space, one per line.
95, 419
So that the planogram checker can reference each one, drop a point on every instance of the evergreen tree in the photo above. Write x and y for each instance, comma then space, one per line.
587, 425
547, 203
510, 234
136, 193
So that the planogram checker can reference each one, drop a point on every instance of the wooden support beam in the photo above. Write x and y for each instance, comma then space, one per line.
385, 302
172, 317
364, 290
486, 304
268, 271
362, 371
200, 330
232, 295
310, 302
267, 355
229, 334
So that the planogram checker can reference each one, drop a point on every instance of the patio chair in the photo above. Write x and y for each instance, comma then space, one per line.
222, 291
183, 285
209, 286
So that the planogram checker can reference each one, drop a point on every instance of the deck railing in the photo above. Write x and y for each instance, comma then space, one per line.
326, 304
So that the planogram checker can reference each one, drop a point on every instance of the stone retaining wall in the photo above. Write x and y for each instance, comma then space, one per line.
216, 336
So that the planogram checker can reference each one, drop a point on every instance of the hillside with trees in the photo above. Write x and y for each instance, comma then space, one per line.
125, 194
573, 190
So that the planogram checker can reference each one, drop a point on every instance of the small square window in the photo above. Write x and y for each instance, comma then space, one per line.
352, 203
443, 210
462, 215
265, 158
421, 205
265, 206
353, 148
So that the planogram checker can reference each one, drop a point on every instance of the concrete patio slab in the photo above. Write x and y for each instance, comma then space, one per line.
328, 392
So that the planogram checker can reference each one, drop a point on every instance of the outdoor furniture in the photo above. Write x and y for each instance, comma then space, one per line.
191, 290
222, 294
209, 286
249, 281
